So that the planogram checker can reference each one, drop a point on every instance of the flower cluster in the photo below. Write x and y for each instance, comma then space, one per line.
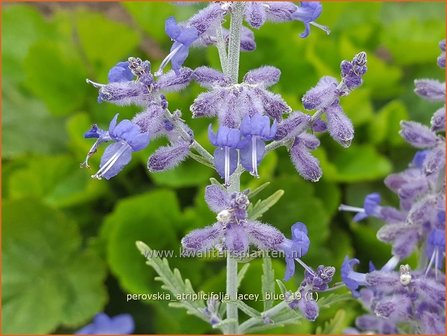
132, 83
394, 297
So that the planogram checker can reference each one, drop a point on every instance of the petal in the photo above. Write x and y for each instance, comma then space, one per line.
236, 240
247, 152
120, 73
247, 40
179, 57
438, 120
168, 157
430, 89
207, 18
115, 158
322, 95
255, 14
187, 36
219, 161
263, 236
172, 29
112, 124
290, 268
208, 77
287, 127
339, 125
307, 165
216, 198
274, 105
265, 76
280, 11
123, 324
418, 135
308, 11
206, 104
171, 81
203, 239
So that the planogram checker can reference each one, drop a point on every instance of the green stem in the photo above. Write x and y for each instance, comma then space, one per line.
232, 67
234, 43
232, 310
222, 50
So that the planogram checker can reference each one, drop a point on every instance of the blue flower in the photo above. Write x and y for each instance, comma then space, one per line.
120, 73
228, 140
295, 248
103, 324
127, 137
183, 37
350, 278
371, 207
256, 130
435, 248
307, 13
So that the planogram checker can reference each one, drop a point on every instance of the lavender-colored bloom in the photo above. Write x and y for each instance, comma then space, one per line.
418, 135
168, 157
441, 58
256, 130
233, 230
183, 37
289, 127
370, 207
309, 309
353, 280
103, 324
353, 71
127, 138
120, 73
231, 103
307, 165
295, 248
264, 76
144, 90
227, 140
319, 126
322, 95
438, 120
307, 13
430, 89
339, 125
435, 248
255, 14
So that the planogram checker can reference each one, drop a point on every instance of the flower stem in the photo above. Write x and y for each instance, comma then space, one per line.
232, 66
232, 312
234, 44
222, 50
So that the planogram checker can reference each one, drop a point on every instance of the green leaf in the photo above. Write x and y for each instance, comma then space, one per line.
65, 282
25, 120
152, 217
22, 25
247, 309
357, 163
151, 17
108, 43
334, 325
263, 206
281, 286
58, 180
385, 126
56, 77
173, 281
241, 273
187, 174
268, 281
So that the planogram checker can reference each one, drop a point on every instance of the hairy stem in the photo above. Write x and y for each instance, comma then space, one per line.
222, 50
234, 43
233, 71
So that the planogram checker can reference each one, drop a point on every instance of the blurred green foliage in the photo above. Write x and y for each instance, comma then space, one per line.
68, 240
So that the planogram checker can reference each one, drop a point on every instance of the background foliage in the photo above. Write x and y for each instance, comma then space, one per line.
68, 240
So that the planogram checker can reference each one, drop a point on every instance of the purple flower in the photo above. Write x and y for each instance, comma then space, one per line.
418, 135
441, 58
255, 130
232, 103
120, 73
322, 95
307, 13
353, 71
227, 140
430, 89
370, 207
438, 120
127, 136
257, 13
353, 280
168, 157
103, 324
435, 248
295, 248
307, 165
339, 125
233, 230
123, 89
183, 37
